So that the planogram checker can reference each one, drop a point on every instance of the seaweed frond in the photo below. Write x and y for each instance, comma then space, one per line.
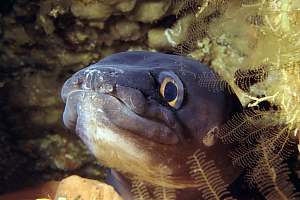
164, 193
207, 177
271, 175
184, 6
140, 190
245, 78
243, 126
196, 30
281, 139
247, 129
213, 82
277, 139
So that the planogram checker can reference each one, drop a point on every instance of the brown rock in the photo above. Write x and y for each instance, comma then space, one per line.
126, 30
75, 187
151, 11
94, 10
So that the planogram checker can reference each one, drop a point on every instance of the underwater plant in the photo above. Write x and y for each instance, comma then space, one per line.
254, 47
208, 177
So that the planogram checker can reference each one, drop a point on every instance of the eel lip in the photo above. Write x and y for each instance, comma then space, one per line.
70, 114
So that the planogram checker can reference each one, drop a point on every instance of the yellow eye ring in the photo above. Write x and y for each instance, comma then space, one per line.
171, 89
162, 91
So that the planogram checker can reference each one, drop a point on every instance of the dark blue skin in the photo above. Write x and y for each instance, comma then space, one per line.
126, 91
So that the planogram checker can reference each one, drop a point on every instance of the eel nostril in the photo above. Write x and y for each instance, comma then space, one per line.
105, 88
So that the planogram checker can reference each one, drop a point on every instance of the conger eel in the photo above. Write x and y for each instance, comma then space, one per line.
143, 113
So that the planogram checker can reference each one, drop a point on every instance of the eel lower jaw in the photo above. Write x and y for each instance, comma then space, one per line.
108, 110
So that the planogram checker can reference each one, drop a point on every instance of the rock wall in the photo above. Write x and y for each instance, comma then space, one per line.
253, 45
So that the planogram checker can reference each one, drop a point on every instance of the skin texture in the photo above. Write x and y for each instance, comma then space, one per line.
117, 109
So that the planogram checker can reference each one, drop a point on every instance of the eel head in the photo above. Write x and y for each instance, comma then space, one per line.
144, 113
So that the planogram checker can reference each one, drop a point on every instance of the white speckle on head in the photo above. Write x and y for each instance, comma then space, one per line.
89, 75
100, 110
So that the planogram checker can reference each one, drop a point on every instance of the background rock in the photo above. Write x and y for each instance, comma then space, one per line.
43, 42
74, 186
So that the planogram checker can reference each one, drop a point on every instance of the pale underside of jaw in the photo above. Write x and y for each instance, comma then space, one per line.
107, 143
96, 130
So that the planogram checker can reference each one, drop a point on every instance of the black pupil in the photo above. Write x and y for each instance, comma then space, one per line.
170, 92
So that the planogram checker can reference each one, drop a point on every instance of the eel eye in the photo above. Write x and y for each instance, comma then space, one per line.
168, 90
171, 89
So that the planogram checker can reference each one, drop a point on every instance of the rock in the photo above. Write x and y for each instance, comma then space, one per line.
59, 152
54, 8
46, 23
17, 34
126, 30
95, 10
126, 6
159, 38
70, 188
150, 11
74, 187
38, 89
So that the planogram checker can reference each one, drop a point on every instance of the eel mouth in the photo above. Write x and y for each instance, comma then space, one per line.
119, 108
122, 139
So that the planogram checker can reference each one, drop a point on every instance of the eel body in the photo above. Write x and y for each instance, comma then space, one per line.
142, 114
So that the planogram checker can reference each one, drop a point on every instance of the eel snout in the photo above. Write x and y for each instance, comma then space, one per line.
96, 97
